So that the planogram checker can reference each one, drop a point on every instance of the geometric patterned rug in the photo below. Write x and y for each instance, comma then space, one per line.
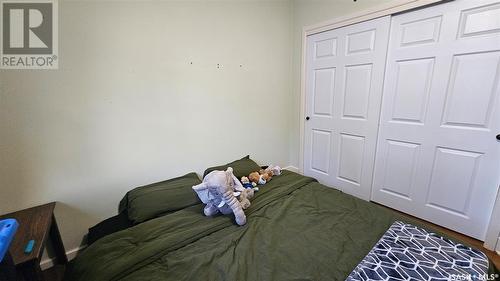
407, 252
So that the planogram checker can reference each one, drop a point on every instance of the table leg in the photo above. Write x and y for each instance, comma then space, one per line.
31, 271
57, 243
7, 269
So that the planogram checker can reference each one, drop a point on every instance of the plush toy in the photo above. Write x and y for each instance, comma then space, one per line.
245, 197
267, 175
271, 171
263, 175
217, 192
276, 170
257, 178
246, 183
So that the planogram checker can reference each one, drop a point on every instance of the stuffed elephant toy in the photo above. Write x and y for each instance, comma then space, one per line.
219, 190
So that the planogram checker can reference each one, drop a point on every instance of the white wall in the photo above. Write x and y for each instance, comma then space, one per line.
127, 108
309, 12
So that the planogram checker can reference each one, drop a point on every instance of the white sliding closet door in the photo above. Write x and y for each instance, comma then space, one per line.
345, 72
437, 156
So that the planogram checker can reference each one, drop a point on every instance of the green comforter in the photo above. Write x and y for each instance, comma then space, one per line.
297, 229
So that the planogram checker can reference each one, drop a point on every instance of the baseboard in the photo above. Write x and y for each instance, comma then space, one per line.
292, 168
71, 254
498, 244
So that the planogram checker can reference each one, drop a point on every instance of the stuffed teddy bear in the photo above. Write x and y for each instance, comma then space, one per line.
247, 183
217, 191
264, 175
267, 175
258, 178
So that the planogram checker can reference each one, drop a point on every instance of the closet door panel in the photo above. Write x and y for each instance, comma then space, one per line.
344, 79
441, 113
321, 84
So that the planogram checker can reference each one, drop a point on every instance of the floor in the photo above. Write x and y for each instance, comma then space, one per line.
56, 273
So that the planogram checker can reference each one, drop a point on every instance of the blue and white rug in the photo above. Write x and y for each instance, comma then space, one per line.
407, 252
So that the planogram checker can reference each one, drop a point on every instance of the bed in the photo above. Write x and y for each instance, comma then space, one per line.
297, 229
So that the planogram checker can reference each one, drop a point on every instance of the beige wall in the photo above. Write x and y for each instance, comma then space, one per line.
305, 13
127, 108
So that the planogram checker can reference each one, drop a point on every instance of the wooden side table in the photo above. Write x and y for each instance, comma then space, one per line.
39, 224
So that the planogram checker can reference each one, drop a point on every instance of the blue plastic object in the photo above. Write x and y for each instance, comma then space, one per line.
29, 247
8, 228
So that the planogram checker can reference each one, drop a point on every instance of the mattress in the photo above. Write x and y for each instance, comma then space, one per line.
297, 229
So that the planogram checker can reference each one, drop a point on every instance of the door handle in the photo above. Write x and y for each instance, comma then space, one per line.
307, 119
